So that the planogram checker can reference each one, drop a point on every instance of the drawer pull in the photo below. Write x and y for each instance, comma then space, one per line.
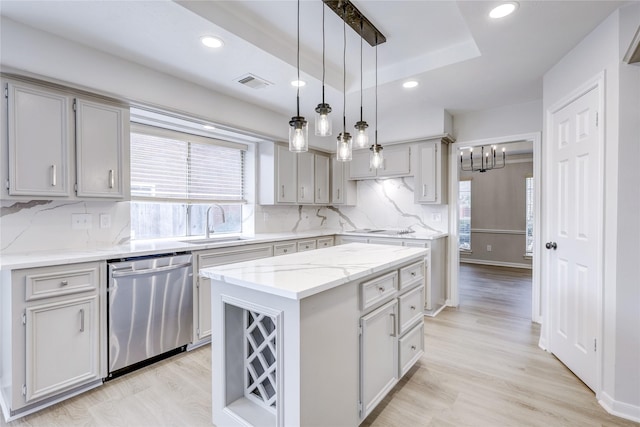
286, 250
64, 283
413, 307
53, 175
413, 273
112, 178
381, 289
413, 347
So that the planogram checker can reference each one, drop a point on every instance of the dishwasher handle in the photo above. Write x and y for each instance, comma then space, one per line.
128, 271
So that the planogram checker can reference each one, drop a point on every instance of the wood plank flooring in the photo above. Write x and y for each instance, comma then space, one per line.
482, 367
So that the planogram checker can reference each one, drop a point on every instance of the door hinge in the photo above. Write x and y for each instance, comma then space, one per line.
24, 389
24, 317
595, 344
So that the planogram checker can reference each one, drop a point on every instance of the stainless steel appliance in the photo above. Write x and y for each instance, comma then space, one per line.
150, 308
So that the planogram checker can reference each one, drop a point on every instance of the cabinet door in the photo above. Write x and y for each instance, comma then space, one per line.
321, 179
203, 325
286, 175
427, 174
39, 138
62, 347
396, 161
378, 355
337, 182
306, 174
100, 136
359, 166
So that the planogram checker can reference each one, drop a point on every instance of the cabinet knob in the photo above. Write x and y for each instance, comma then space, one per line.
64, 283
286, 250
381, 289
413, 307
413, 347
413, 273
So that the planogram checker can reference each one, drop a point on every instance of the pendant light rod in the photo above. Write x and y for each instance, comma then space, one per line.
298, 62
354, 17
344, 70
323, 62
361, 25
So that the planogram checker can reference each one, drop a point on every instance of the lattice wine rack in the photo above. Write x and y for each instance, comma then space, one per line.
260, 359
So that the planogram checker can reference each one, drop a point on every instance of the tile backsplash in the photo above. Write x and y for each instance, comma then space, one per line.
46, 225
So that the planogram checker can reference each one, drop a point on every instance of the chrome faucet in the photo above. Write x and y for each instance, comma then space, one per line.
207, 229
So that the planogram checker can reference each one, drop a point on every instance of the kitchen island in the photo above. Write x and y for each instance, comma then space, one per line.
314, 338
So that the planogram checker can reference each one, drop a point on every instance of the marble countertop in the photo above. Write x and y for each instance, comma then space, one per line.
417, 235
136, 248
300, 275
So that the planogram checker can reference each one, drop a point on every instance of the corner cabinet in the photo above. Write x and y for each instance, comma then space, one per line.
57, 315
101, 149
42, 139
431, 171
396, 163
343, 191
287, 178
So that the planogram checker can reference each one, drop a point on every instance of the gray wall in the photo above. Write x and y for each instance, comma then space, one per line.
498, 200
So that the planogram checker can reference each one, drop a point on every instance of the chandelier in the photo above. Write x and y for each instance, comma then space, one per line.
488, 160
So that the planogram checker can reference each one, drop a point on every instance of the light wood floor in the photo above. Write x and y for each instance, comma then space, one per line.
482, 367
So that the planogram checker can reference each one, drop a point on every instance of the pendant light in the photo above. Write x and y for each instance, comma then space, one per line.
323, 121
377, 161
298, 126
343, 151
362, 137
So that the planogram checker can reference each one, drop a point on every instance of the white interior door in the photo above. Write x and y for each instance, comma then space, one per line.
574, 214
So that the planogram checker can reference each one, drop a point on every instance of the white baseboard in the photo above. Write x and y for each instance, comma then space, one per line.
619, 409
496, 263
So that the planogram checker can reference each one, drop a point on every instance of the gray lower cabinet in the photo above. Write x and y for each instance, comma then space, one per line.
57, 343
202, 293
391, 331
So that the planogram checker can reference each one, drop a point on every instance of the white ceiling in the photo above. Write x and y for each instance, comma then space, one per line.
463, 60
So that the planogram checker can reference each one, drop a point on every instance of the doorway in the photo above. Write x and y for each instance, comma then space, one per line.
533, 140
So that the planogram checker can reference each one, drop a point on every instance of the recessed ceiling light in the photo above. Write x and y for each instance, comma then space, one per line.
298, 83
212, 42
409, 84
208, 127
503, 10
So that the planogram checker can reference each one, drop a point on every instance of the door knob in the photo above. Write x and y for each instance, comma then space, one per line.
551, 245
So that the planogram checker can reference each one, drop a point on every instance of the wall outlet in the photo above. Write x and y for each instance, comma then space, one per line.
81, 221
105, 221
436, 217
488, 248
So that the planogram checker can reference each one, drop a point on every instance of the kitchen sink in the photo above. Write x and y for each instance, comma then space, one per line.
214, 240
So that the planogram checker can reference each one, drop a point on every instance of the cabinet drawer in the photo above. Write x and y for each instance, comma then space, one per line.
378, 290
284, 248
411, 308
411, 274
411, 348
46, 283
325, 242
306, 245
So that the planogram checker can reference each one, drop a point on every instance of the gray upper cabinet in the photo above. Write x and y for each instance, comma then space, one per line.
396, 163
101, 131
343, 191
42, 141
431, 171
321, 170
306, 188
38, 124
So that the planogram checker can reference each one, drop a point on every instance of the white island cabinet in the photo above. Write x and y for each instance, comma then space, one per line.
295, 338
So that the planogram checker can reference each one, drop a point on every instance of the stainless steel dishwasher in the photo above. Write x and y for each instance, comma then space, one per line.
150, 309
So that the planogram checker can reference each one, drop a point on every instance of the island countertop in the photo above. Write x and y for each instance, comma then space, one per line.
300, 275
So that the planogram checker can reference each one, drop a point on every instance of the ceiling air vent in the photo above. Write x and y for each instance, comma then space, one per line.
253, 81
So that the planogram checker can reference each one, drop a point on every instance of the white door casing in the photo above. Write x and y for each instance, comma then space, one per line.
574, 217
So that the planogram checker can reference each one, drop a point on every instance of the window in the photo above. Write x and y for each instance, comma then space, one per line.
464, 215
176, 178
529, 216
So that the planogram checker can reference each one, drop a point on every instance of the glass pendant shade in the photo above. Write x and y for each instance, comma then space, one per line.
323, 121
376, 160
362, 136
344, 149
298, 135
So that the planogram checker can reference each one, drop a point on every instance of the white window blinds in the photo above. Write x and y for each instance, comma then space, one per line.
179, 167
